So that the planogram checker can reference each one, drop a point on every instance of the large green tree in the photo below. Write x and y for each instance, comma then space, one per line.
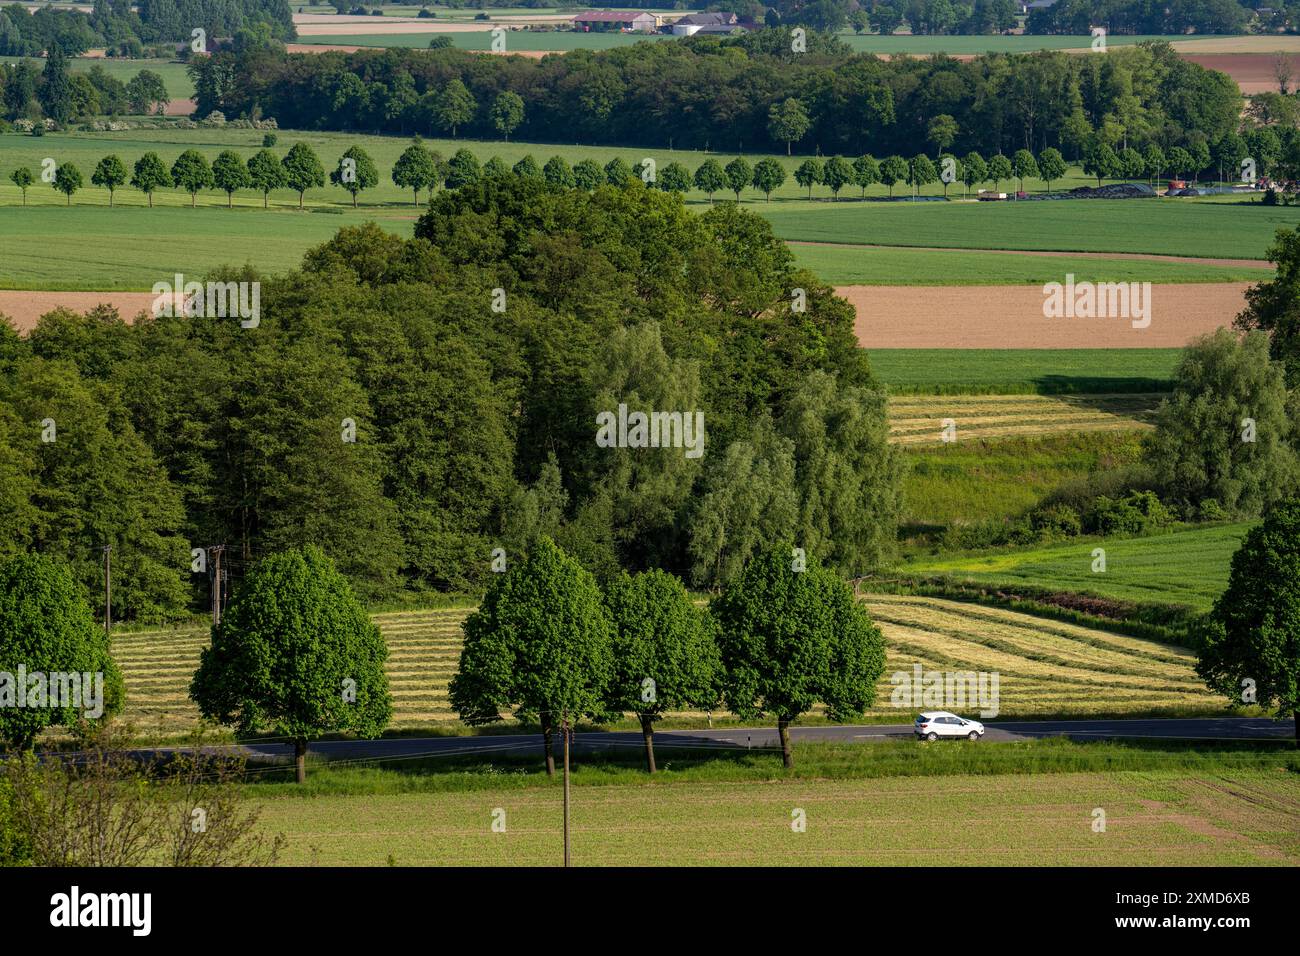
149, 175
415, 169
539, 644
229, 174
355, 171
1250, 649
664, 652
302, 170
191, 173
47, 638
265, 172
792, 635
295, 655
109, 174
1224, 432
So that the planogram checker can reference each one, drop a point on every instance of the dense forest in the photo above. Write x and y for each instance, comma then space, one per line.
116, 27
471, 362
715, 94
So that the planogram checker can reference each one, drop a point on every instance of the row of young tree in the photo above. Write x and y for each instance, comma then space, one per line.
471, 361
54, 92
721, 93
299, 169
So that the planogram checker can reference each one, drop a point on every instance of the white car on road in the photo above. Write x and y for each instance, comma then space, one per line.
934, 724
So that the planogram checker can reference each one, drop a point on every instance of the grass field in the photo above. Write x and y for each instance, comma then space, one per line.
1048, 668
1235, 817
879, 265
1183, 567
977, 479
1158, 226
1045, 371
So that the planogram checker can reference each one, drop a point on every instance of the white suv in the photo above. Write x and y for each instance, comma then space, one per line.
934, 724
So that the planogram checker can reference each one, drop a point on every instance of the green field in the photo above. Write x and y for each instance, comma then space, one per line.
992, 479
879, 265
178, 82
1182, 567
126, 244
1009, 371
1171, 227
1158, 817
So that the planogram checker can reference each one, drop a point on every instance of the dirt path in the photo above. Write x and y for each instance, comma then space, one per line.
1011, 317
1142, 256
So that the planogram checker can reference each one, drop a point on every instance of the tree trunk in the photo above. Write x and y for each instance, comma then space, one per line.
193, 196
354, 200
230, 200
300, 202
548, 745
264, 199
300, 758
648, 732
151, 200
783, 728
1297, 729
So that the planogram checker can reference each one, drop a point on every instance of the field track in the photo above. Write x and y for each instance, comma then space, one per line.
1046, 667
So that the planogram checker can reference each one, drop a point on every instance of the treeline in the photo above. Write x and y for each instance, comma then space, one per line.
27, 92
724, 95
115, 26
470, 364
1078, 17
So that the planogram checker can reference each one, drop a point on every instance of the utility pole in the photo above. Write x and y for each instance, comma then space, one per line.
566, 788
108, 590
216, 551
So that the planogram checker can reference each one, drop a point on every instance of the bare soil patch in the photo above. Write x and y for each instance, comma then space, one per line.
1252, 72
179, 108
24, 308
1011, 317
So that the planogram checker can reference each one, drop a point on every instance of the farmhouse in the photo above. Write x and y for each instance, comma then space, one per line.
694, 23
598, 20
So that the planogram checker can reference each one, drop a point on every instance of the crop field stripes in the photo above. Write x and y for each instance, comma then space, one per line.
1045, 666
915, 419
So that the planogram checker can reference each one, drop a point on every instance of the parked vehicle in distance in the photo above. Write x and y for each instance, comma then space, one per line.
934, 724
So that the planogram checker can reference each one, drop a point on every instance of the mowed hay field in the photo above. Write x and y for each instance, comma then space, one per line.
1235, 817
919, 419
423, 648
1047, 667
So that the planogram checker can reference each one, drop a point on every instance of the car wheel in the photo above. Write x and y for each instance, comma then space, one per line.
932, 736
974, 735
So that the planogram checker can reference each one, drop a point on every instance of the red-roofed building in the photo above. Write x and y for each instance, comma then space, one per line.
635, 20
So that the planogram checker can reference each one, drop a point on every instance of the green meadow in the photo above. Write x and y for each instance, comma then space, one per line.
1182, 567
177, 81
1013, 371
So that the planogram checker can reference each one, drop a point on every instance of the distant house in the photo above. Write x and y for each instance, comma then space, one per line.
598, 20
1030, 7
704, 23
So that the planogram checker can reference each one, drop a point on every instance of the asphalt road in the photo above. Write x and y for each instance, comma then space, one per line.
398, 748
